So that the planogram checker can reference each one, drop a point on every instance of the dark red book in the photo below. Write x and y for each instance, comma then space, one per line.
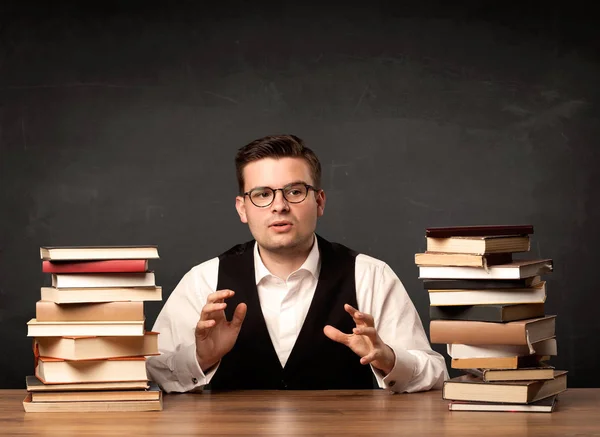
104, 266
478, 231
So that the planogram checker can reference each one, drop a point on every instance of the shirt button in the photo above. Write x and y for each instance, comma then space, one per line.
195, 380
392, 383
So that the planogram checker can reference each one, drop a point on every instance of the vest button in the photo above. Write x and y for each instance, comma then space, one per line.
283, 384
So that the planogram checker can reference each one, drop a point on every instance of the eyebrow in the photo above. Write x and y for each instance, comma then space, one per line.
290, 183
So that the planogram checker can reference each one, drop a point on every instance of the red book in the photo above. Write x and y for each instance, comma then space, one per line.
105, 266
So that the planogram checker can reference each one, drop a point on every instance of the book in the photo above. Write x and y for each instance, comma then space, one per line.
97, 348
461, 259
89, 295
527, 374
104, 266
544, 347
531, 295
79, 253
102, 280
55, 329
55, 371
470, 388
478, 230
479, 284
47, 311
90, 407
520, 332
514, 270
151, 394
546, 405
35, 385
514, 362
499, 313
479, 245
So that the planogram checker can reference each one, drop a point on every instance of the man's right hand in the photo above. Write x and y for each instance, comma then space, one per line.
215, 336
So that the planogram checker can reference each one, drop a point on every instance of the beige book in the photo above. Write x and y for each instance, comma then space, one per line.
102, 280
80, 253
90, 295
461, 259
54, 371
35, 385
520, 332
479, 245
471, 388
90, 407
47, 311
528, 374
67, 329
515, 362
97, 348
152, 394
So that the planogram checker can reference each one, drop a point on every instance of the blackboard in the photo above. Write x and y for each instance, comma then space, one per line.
119, 124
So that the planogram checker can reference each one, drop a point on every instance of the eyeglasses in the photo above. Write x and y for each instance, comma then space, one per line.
292, 193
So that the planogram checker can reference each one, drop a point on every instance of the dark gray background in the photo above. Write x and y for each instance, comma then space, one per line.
119, 124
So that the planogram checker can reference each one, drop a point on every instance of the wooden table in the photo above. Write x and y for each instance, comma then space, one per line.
323, 413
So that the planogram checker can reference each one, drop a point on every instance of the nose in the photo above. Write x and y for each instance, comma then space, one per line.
279, 202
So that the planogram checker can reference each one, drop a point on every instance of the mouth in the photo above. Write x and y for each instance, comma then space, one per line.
281, 226
280, 223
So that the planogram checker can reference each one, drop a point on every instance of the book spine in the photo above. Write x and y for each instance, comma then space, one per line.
480, 313
47, 311
108, 266
468, 332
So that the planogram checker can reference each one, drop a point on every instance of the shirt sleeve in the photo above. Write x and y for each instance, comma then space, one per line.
381, 294
176, 369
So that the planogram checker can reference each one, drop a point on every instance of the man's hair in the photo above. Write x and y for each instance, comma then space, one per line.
276, 146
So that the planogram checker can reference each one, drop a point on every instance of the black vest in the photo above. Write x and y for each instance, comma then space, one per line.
316, 362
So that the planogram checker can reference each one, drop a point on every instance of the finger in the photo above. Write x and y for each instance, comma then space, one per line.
350, 309
367, 331
369, 358
203, 326
359, 317
336, 335
219, 296
213, 311
239, 315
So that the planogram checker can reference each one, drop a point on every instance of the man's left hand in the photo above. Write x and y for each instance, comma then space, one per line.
364, 341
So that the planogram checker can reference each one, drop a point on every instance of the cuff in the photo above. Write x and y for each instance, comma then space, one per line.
188, 371
401, 374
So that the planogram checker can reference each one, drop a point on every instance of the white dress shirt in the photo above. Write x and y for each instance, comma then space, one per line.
284, 304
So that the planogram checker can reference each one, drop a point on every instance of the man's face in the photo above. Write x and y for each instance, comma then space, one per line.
281, 226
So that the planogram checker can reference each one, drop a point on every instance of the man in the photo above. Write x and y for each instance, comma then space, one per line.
290, 310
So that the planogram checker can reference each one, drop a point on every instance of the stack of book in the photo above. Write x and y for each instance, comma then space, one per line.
89, 338
488, 308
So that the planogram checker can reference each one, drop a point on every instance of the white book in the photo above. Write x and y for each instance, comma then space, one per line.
514, 270
536, 294
89, 295
76, 329
80, 253
102, 280
53, 371
544, 347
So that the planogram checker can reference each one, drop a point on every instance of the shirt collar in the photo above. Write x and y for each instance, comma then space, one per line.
312, 264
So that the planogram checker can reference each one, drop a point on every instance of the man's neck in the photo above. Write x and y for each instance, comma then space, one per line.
282, 264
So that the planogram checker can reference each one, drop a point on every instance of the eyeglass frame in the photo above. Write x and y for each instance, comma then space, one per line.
275, 190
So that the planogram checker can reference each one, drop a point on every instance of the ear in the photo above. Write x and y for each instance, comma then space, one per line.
240, 206
321, 200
